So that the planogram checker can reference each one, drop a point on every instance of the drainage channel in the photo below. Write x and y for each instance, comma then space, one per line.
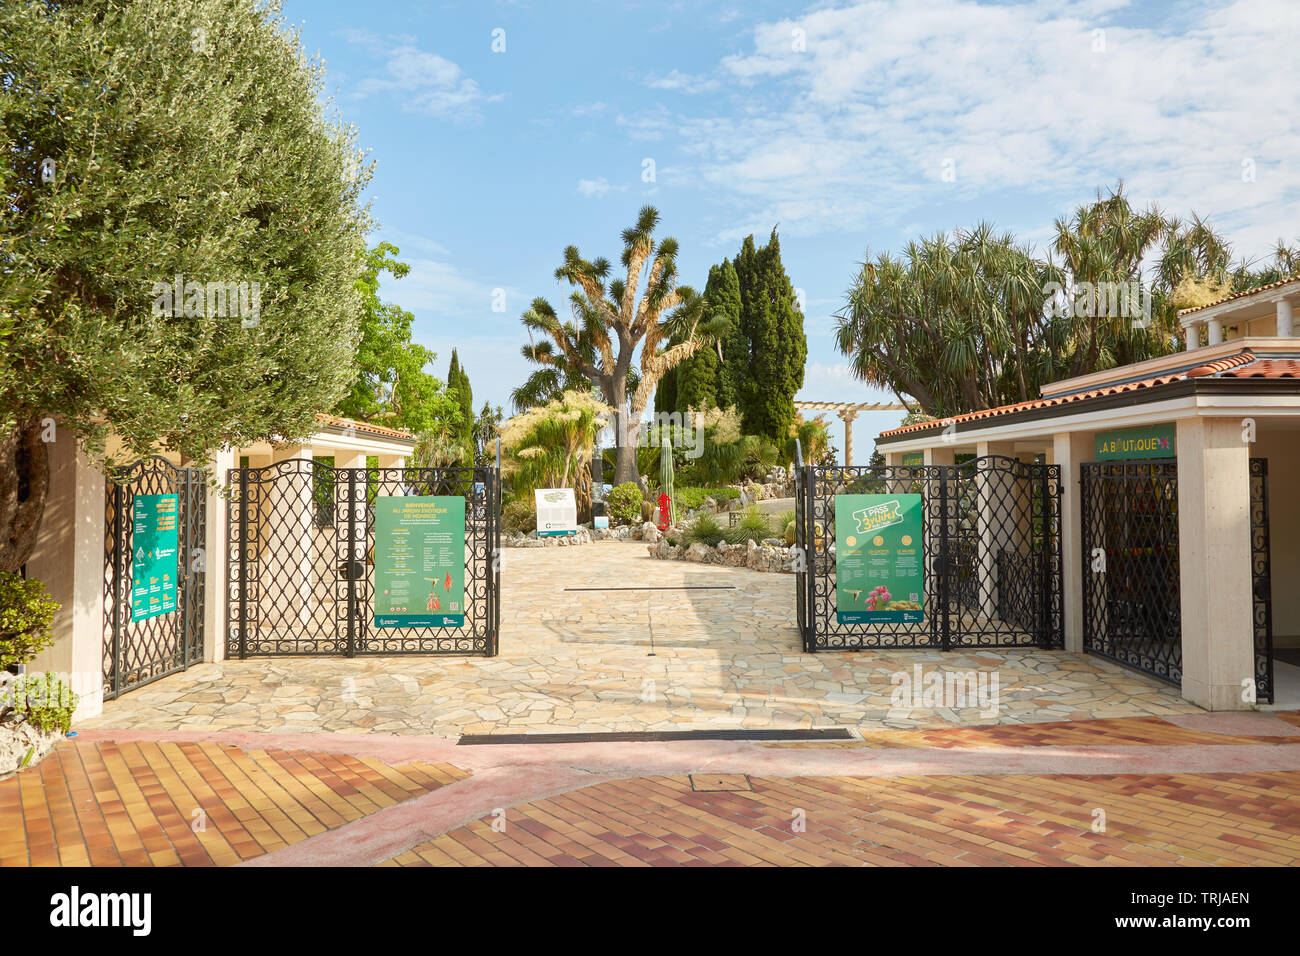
637, 736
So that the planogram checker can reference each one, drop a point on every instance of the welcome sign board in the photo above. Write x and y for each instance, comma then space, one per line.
879, 571
153, 555
557, 512
419, 561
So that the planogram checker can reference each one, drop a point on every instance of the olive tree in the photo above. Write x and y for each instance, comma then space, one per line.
180, 241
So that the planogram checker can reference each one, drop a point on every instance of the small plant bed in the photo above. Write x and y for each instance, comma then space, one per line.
35, 714
750, 543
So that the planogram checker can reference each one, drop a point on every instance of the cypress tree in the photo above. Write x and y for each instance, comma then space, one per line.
459, 387
699, 381
734, 373
778, 348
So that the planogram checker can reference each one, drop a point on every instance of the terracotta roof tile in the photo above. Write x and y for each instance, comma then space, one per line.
360, 426
1241, 295
1243, 364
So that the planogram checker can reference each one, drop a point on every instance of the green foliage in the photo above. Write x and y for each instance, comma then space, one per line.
778, 348
667, 480
458, 388
26, 614
44, 701
704, 528
789, 532
754, 525
391, 384
976, 320
217, 165
485, 434
698, 380
624, 503
551, 446
692, 497
520, 514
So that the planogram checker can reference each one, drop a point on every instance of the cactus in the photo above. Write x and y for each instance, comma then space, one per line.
666, 478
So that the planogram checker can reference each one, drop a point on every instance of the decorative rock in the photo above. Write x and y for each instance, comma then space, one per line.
710, 505
17, 738
650, 532
699, 552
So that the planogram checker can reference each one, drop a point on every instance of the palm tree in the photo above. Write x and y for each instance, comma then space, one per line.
547, 446
609, 316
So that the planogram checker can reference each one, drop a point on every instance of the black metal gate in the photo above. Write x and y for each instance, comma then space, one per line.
1132, 613
300, 565
992, 555
1132, 595
1261, 580
138, 652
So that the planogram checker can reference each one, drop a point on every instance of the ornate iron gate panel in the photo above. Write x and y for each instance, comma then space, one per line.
991, 555
1261, 581
300, 565
138, 652
1131, 608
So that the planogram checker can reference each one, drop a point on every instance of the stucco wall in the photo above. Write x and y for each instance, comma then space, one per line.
1282, 449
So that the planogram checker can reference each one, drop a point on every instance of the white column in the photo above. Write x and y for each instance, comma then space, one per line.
1193, 333
1216, 331
216, 566
1214, 562
1069, 449
69, 560
847, 417
1285, 319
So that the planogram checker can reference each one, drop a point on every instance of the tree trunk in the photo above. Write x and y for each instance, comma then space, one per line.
24, 483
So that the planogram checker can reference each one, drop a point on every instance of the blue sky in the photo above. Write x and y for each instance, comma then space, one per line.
851, 126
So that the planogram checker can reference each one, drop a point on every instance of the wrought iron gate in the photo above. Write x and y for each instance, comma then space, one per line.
1131, 608
300, 562
992, 555
1261, 580
1132, 595
138, 652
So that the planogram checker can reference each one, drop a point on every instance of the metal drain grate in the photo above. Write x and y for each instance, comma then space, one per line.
638, 736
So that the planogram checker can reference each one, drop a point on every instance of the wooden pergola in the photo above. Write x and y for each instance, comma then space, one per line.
847, 411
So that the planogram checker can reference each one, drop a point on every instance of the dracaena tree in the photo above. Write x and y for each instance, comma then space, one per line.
625, 332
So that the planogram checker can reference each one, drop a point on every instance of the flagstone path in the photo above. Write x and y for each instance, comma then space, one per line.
720, 651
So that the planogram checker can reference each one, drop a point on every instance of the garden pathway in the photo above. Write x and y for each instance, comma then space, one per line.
718, 649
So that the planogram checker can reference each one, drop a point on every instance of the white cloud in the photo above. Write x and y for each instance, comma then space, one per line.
423, 82
597, 188
856, 128
681, 82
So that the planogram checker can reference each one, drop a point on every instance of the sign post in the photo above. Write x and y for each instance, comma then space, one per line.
153, 555
557, 512
879, 572
419, 561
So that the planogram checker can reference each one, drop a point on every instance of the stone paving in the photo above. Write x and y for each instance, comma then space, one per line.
1208, 789
724, 654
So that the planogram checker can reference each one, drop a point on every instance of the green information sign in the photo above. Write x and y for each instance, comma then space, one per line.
879, 575
419, 561
1147, 441
153, 555
912, 459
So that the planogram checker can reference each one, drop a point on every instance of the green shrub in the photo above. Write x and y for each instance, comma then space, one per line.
789, 532
689, 498
26, 613
45, 701
753, 526
624, 504
519, 515
704, 528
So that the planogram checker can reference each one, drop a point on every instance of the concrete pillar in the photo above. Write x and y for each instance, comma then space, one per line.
69, 560
1193, 334
1215, 331
1285, 319
1214, 561
1069, 449
216, 565
847, 417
